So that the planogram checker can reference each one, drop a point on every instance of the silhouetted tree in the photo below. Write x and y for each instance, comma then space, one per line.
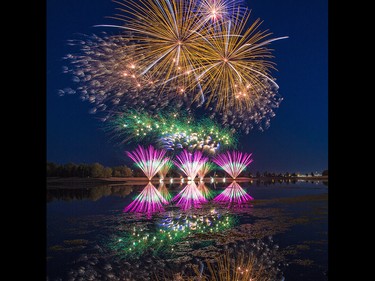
325, 173
97, 170
258, 174
312, 174
107, 172
51, 169
127, 172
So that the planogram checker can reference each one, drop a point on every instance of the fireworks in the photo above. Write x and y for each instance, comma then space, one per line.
206, 192
172, 131
234, 64
136, 240
149, 201
189, 196
164, 191
190, 163
233, 162
204, 170
214, 11
165, 34
108, 77
234, 193
149, 160
175, 54
165, 169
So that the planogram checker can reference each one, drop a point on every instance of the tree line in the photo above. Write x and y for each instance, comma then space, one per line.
94, 170
97, 170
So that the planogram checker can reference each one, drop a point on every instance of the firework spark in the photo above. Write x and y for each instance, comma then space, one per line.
163, 171
149, 160
190, 163
177, 54
165, 34
171, 131
234, 193
214, 11
233, 162
204, 170
189, 197
149, 201
235, 63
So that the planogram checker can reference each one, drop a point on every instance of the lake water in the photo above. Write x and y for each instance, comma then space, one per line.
89, 237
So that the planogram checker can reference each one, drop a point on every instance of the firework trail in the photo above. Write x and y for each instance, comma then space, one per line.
149, 160
163, 171
233, 162
204, 170
190, 163
176, 54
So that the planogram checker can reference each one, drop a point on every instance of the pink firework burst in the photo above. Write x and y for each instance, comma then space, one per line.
234, 193
189, 196
149, 160
190, 163
233, 162
149, 201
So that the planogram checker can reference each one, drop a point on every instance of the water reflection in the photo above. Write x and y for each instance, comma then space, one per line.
92, 193
161, 236
190, 196
164, 191
149, 201
233, 194
206, 192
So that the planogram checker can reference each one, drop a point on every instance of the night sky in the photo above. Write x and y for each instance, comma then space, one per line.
297, 140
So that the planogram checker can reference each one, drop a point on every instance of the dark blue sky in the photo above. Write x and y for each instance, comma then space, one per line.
297, 139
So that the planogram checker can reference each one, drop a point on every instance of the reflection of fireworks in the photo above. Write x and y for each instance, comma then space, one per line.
164, 191
204, 170
139, 239
149, 160
242, 266
190, 163
233, 162
175, 53
172, 131
234, 193
206, 192
189, 196
149, 201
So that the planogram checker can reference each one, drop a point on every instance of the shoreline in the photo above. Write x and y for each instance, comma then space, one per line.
56, 182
